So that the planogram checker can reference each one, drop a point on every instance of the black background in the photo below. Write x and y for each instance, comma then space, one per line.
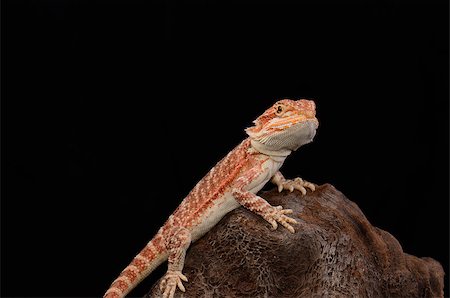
112, 111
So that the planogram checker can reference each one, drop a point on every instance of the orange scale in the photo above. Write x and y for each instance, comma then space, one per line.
130, 274
147, 253
121, 285
140, 264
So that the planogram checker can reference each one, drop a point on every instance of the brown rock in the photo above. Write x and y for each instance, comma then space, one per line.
335, 252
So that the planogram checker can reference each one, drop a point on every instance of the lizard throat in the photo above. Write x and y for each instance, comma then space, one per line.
284, 142
264, 149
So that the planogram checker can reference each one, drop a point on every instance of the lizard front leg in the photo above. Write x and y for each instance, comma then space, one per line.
297, 183
177, 245
258, 205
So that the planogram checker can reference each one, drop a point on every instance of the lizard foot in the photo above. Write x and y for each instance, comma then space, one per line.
169, 283
278, 215
297, 183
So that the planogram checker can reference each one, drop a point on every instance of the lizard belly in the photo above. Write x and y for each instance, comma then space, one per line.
270, 167
213, 215
227, 203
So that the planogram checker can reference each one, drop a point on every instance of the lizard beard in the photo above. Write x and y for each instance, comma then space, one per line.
291, 138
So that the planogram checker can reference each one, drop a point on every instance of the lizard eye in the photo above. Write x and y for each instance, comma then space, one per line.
279, 110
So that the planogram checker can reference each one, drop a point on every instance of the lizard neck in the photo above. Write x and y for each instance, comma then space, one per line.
274, 154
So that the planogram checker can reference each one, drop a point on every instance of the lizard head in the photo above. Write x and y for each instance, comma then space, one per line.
287, 125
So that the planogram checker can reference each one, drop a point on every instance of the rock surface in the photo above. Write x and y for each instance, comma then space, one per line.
335, 252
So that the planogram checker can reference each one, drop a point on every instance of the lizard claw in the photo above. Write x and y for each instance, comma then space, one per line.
280, 187
170, 282
278, 216
297, 183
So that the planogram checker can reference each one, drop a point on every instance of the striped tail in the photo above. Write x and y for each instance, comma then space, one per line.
153, 254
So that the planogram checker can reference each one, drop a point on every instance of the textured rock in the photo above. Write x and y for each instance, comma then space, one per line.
334, 252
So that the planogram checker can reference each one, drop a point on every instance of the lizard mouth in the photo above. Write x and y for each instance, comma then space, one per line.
292, 121
314, 122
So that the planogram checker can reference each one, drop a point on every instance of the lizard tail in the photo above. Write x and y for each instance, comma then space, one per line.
153, 254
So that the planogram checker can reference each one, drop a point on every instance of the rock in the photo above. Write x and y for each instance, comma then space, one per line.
335, 252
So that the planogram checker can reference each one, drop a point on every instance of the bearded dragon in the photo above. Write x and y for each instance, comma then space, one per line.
233, 182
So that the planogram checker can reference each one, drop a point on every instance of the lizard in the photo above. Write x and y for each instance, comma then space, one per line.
232, 182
